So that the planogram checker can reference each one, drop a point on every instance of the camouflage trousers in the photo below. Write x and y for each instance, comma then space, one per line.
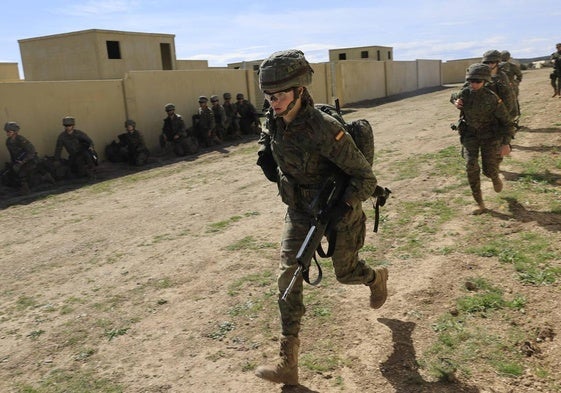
349, 269
490, 159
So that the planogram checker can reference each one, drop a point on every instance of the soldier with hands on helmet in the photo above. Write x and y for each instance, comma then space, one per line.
79, 146
300, 147
485, 128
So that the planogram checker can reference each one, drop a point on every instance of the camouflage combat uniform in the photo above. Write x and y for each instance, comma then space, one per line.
134, 147
248, 116
206, 127
500, 84
23, 158
76, 144
219, 119
556, 74
231, 126
488, 125
175, 132
310, 148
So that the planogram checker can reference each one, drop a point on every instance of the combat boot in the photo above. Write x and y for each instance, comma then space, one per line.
479, 199
497, 184
378, 287
24, 188
286, 371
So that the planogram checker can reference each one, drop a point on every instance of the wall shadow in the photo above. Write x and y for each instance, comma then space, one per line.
547, 130
539, 148
553, 179
547, 220
401, 368
107, 170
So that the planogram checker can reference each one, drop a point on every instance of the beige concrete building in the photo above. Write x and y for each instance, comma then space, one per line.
9, 72
95, 55
377, 53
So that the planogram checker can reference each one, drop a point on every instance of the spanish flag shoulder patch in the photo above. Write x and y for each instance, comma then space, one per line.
339, 135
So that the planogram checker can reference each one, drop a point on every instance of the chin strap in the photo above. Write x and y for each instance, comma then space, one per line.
291, 105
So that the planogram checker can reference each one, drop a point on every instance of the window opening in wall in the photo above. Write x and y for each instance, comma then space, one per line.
165, 53
364, 54
113, 50
342, 56
378, 55
255, 67
389, 55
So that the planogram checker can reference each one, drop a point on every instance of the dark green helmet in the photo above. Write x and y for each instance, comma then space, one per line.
491, 56
479, 71
227, 96
130, 122
283, 70
169, 107
68, 121
11, 126
505, 55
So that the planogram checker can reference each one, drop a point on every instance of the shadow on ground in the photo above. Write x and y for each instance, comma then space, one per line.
401, 368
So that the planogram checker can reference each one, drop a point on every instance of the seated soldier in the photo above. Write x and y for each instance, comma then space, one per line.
80, 148
24, 161
130, 148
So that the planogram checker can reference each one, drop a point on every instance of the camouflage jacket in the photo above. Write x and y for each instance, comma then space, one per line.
174, 125
132, 140
219, 115
73, 143
246, 110
485, 114
20, 149
206, 119
311, 148
512, 70
556, 60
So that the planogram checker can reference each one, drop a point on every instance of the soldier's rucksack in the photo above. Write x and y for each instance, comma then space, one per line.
360, 130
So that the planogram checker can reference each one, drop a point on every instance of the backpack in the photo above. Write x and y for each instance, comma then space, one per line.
360, 130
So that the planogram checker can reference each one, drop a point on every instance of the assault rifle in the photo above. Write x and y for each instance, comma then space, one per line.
323, 208
326, 212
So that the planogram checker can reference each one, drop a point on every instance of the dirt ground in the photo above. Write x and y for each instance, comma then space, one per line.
163, 280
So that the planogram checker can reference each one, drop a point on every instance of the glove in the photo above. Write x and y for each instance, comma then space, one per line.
268, 165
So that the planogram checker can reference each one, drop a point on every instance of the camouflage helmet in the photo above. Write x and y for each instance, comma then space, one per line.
214, 98
11, 126
505, 55
479, 71
169, 107
202, 99
283, 70
226, 96
68, 121
491, 56
239, 96
130, 122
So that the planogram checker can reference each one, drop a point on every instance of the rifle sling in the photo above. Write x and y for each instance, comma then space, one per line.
306, 273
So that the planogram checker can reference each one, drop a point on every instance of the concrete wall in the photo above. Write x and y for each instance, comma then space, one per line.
455, 71
359, 80
38, 107
101, 107
377, 53
191, 64
83, 55
146, 93
9, 72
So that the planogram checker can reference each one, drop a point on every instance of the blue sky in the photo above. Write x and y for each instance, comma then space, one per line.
229, 31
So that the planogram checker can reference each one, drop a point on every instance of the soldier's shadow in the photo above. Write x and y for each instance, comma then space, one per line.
297, 389
547, 177
401, 368
548, 220
548, 130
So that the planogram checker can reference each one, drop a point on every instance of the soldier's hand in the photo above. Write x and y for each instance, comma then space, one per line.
504, 150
